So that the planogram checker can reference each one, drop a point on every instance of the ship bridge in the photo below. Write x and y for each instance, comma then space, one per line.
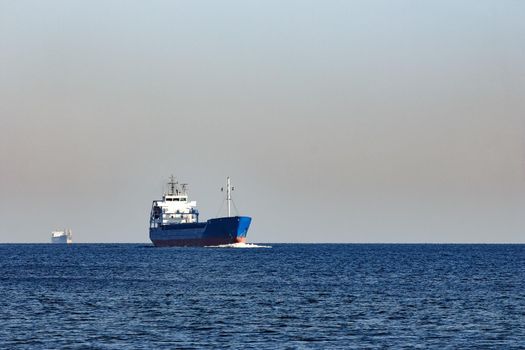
174, 208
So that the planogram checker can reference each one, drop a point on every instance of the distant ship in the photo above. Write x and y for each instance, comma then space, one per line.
64, 236
174, 221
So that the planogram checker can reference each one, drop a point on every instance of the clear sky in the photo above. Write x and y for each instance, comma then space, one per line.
338, 121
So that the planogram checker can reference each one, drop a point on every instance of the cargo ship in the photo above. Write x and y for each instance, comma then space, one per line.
174, 221
62, 236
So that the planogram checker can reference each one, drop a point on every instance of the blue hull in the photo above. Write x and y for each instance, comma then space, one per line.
217, 231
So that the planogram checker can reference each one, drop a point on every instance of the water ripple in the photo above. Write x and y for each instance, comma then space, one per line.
290, 296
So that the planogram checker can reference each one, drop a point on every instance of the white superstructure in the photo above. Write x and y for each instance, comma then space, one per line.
174, 208
62, 236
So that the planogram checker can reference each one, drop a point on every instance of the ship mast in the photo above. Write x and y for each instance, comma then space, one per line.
229, 190
172, 184
228, 195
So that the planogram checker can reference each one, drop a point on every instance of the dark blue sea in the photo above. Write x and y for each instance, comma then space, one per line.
333, 296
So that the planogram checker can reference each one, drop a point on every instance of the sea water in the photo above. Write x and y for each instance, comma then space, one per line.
287, 296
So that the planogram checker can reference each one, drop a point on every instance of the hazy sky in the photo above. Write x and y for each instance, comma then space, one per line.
338, 121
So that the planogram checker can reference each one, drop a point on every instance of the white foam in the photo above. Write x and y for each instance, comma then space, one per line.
238, 245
